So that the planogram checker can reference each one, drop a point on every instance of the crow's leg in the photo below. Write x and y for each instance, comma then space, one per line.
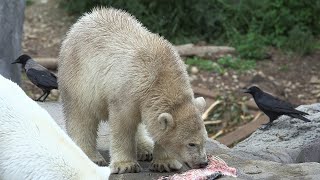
39, 99
45, 97
266, 126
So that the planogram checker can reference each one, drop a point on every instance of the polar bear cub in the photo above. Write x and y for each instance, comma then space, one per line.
33, 146
112, 68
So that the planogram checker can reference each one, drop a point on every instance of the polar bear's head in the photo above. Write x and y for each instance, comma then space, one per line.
184, 134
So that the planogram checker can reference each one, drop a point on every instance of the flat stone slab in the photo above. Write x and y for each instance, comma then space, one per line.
248, 165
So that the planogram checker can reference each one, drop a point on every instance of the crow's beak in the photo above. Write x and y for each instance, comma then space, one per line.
15, 62
245, 90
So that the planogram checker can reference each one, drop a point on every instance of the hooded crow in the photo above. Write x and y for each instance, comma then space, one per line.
38, 75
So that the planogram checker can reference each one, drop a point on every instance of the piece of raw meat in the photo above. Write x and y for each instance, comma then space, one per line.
216, 168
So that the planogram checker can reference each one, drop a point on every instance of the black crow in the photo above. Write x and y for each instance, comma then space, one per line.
38, 75
274, 107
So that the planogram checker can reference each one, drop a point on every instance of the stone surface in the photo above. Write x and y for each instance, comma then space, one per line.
287, 139
249, 164
11, 20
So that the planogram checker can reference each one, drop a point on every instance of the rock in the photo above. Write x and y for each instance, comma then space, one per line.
300, 96
286, 139
55, 92
234, 76
194, 70
288, 84
314, 80
193, 77
315, 91
310, 153
242, 85
287, 90
261, 74
271, 78
210, 79
248, 162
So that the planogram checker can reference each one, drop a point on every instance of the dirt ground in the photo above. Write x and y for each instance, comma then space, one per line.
290, 77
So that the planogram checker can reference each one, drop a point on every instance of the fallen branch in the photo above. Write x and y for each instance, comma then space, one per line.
244, 131
217, 134
212, 122
210, 109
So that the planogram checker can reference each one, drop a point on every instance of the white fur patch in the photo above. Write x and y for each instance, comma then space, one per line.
33, 146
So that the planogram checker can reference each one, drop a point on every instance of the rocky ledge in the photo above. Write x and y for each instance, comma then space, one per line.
290, 149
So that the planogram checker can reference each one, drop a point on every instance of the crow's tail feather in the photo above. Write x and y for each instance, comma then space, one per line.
302, 113
300, 117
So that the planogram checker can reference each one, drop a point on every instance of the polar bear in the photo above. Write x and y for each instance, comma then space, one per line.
112, 68
33, 146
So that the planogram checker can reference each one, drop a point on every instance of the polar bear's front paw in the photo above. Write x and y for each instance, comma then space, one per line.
167, 165
125, 167
99, 160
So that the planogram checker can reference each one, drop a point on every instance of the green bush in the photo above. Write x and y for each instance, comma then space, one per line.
249, 25
300, 40
222, 64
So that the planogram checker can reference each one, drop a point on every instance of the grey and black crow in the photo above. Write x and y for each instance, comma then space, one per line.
274, 107
38, 75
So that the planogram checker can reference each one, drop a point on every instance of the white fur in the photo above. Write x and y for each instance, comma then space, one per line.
112, 68
33, 146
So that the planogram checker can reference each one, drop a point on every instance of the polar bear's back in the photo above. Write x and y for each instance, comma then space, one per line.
24, 150
108, 53
106, 30
32, 145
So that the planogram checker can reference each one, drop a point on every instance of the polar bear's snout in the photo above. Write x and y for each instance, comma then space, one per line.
196, 158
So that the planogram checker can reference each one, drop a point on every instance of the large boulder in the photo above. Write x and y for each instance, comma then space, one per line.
245, 157
288, 140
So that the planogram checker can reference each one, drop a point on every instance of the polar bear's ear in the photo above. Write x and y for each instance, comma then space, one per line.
200, 103
166, 121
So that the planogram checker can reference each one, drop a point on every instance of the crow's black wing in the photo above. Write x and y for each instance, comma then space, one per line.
271, 103
43, 79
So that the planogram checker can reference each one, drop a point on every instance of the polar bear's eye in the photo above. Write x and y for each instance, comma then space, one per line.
192, 144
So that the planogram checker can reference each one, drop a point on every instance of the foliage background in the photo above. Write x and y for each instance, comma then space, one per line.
248, 25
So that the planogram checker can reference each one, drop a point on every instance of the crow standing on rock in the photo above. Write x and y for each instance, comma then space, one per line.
38, 75
274, 107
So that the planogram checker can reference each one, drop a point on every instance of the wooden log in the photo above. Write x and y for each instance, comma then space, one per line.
183, 50
243, 131
251, 104
49, 63
203, 51
204, 92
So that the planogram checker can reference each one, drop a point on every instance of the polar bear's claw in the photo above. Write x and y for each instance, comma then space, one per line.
146, 156
100, 162
167, 165
98, 159
125, 167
